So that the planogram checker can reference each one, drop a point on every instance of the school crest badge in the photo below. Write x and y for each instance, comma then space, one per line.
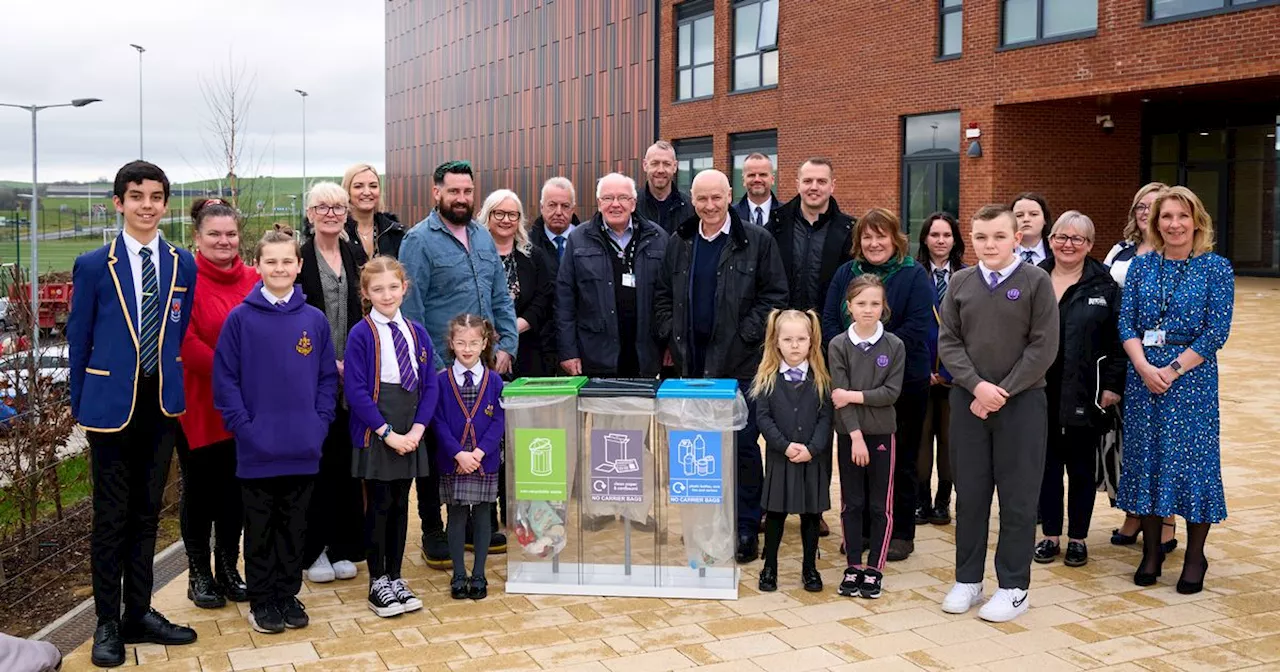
422, 355
175, 309
304, 345
488, 410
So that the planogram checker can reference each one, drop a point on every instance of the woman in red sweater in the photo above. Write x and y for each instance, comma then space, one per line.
206, 451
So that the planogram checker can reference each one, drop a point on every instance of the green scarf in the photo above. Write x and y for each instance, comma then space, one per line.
883, 271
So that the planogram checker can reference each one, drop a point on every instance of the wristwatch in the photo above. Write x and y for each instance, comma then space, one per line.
385, 433
1176, 367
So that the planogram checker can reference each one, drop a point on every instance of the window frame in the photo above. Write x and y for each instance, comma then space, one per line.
1040, 40
943, 13
1227, 8
760, 53
688, 14
905, 161
689, 149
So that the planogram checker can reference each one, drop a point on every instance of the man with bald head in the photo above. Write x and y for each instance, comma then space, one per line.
721, 278
660, 201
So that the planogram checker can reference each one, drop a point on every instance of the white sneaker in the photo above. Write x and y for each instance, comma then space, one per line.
1006, 605
320, 571
344, 569
962, 598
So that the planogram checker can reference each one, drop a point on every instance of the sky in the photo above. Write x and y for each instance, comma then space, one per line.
57, 50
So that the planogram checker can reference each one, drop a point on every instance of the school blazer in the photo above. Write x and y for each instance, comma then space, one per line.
102, 334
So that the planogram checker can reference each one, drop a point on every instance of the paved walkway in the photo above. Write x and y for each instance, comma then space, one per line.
1087, 618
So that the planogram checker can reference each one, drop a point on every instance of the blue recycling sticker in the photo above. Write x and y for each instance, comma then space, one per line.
695, 467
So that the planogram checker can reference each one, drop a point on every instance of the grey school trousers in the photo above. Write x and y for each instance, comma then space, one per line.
1004, 453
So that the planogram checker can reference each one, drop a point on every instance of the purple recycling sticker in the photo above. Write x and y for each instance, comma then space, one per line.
882, 361
617, 465
1013, 294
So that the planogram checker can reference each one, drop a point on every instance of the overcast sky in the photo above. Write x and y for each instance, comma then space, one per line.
56, 50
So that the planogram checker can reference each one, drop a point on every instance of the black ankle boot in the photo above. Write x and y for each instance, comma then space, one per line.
201, 588
230, 583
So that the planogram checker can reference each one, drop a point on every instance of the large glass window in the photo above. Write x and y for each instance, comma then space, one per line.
1029, 21
693, 155
755, 44
1164, 9
695, 50
743, 145
930, 167
950, 27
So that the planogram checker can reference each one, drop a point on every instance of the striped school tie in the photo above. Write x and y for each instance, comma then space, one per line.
866, 346
794, 375
149, 333
468, 379
1029, 256
940, 280
404, 358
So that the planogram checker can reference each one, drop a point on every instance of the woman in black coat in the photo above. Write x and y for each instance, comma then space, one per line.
1086, 378
531, 280
371, 232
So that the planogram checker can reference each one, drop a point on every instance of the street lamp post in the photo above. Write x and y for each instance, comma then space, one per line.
140, 52
33, 225
304, 140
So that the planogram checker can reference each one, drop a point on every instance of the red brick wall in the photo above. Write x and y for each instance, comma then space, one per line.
849, 70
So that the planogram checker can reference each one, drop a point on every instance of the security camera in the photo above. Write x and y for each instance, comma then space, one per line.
1108, 126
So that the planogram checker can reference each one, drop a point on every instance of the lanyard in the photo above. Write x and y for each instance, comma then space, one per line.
627, 254
1166, 298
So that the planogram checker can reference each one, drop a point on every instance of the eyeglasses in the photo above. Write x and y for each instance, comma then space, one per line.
1142, 207
1063, 239
508, 215
330, 209
616, 199
467, 345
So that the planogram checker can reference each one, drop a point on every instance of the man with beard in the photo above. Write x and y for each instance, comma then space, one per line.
454, 268
552, 228
661, 203
759, 202
720, 279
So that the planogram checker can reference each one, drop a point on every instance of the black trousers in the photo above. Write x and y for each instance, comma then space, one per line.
211, 502
936, 427
1075, 449
910, 409
129, 470
750, 469
335, 518
275, 526
867, 491
386, 522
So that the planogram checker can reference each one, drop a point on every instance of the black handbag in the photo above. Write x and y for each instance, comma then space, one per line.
1106, 472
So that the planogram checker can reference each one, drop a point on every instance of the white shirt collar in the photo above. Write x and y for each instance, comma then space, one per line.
875, 338
723, 230
477, 372
1038, 250
383, 319
1004, 274
134, 247
273, 299
933, 267
551, 235
804, 367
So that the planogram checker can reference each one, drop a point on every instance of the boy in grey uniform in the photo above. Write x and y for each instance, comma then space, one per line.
998, 337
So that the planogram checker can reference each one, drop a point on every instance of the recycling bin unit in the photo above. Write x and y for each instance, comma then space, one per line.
622, 519
697, 421
541, 462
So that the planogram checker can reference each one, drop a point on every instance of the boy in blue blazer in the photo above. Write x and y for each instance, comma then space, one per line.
129, 311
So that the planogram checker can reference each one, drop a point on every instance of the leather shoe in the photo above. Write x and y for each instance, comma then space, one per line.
156, 629
768, 579
812, 580
202, 590
459, 587
941, 514
479, 588
228, 578
748, 548
900, 549
108, 647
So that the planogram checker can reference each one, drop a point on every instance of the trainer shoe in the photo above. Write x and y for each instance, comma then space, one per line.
872, 583
1006, 605
320, 571
406, 596
849, 585
345, 569
383, 600
962, 598
266, 618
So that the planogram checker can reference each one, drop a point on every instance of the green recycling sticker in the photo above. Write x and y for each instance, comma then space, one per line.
540, 465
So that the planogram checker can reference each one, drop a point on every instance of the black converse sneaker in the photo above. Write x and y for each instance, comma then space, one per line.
872, 581
852, 580
383, 600
406, 596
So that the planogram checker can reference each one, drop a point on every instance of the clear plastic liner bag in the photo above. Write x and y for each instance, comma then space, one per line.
628, 413
706, 414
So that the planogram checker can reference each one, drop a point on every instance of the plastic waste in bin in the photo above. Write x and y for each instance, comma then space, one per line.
542, 458
697, 420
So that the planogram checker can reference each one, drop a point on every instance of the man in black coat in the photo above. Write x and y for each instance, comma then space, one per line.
557, 204
660, 202
721, 278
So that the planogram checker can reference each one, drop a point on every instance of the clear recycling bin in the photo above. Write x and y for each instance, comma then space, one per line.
697, 468
620, 522
541, 463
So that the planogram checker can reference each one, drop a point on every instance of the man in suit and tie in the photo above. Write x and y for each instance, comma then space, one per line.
130, 308
759, 202
557, 219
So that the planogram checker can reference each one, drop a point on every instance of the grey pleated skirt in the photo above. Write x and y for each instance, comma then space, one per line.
379, 462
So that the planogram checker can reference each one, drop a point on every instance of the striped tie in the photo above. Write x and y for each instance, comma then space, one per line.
468, 380
149, 334
1029, 256
866, 346
940, 281
408, 379
795, 375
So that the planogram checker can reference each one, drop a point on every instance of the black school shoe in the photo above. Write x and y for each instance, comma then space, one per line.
768, 579
849, 585
812, 580
1077, 554
748, 548
940, 514
872, 582
478, 589
459, 587
1046, 551
156, 629
108, 647
922, 514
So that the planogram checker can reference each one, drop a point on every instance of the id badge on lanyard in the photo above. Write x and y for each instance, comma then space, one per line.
1153, 338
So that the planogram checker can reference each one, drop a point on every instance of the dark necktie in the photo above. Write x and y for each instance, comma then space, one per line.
866, 346
468, 380
1029, 256
794, 375
404, 358
940, 280
149, 334
995, 279
759, 216
559, 247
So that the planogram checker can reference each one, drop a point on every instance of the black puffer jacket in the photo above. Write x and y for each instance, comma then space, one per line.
387, 234
1090, 357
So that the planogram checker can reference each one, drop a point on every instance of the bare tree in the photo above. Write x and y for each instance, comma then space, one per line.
228, 95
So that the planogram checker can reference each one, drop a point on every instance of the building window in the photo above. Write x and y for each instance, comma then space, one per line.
1164, 9
950, 27
693, 155
743, 145
930, 167
696, 48
1031, 21
755, 44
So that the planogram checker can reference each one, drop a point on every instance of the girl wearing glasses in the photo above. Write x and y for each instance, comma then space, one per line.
1085, 378
331, 282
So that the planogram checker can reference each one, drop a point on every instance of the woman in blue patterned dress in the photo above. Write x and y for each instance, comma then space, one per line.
1174, 317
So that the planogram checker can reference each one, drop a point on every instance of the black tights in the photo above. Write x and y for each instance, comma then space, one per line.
457, 527
773, 524
1194, 562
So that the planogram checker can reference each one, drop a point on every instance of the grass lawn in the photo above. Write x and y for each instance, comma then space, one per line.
74, 477
55, 255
